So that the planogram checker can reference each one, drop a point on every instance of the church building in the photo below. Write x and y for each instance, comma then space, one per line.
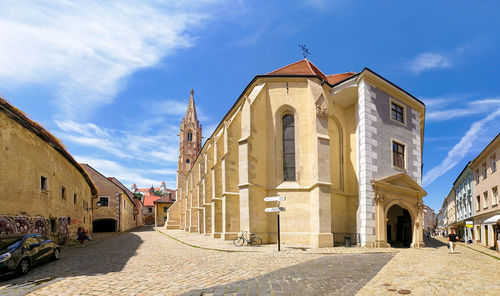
345, 150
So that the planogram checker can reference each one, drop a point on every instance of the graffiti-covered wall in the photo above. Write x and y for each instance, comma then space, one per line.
58, 229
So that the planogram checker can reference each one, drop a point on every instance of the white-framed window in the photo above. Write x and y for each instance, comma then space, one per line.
493, 163
477, 176
485, 199
104, 201
398, 112
398, 155
484, 171
478, 203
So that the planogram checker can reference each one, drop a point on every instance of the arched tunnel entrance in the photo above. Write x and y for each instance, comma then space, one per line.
399, 227
104, 225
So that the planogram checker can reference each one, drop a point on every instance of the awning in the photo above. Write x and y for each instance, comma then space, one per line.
492, 220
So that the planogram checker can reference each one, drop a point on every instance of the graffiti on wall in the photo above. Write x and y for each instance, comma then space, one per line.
20, 225
62, 227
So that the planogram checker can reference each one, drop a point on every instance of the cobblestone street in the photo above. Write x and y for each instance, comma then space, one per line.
146, 262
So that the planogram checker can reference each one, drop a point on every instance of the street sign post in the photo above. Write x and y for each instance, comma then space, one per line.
277, 209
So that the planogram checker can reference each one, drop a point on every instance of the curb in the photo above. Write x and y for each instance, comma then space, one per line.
199, 247
282, 252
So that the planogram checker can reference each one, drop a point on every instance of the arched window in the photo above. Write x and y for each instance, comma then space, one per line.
190, 137
187, 160
288, 148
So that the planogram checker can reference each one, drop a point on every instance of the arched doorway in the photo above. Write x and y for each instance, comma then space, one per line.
399, 227
104, 225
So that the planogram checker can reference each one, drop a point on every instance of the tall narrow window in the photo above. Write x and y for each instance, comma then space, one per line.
43, 183
63, 192
190, 137
288, 148
397, 112
74, 198
398, 155
493, 163
484, 171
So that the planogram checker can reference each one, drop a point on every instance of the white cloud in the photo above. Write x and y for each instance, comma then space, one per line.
462, 148
83, 50
427, 61
460, 110
125, 175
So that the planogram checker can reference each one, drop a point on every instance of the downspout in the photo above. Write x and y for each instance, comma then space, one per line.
119, 212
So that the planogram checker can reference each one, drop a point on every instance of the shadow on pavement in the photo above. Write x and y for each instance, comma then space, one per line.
328, 275
434, 243
98, 257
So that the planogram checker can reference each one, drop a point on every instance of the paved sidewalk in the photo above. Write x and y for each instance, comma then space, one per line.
435, 271
207, 242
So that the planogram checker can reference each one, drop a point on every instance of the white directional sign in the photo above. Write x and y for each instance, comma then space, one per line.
275, 209
274, 198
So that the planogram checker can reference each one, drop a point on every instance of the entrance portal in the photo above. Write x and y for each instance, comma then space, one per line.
104, 225
399, 227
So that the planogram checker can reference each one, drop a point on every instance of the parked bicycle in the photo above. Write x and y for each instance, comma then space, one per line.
253, 241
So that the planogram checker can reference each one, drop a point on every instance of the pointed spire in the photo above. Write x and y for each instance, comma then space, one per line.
191, 107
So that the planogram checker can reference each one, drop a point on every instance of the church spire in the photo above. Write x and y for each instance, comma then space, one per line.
190, 140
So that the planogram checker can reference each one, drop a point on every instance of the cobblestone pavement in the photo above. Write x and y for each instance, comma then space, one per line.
145, 262
211, 243
435, 271
327, 275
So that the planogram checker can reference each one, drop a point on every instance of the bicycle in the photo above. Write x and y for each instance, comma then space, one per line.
253, 241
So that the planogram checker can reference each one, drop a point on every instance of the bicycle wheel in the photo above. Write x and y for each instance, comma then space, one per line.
256, 241
238, 241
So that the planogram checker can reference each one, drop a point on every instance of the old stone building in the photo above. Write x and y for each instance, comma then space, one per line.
42, 188
344, 149
116, 209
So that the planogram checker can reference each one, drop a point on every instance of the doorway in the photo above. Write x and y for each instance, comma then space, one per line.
104, 225
399, 227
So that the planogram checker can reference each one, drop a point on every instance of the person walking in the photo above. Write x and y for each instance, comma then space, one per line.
82, 236
452, 240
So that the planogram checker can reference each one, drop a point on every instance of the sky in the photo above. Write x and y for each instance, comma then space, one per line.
112, 80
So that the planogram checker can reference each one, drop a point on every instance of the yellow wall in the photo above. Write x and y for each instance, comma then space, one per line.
24, 159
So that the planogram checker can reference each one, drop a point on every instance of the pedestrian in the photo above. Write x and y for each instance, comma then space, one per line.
428, 235
452, 239
498, 235
82, 236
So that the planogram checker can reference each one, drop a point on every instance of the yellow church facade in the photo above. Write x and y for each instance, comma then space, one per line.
345, 150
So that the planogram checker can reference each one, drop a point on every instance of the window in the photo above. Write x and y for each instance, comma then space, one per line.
187, 160
477, 176
494, 190
63, 192
190, 137
493, 163
165, 209
484, 171
104, 201
478, 203
485, 195
397, 112
398, 155
74, 198
150, 210
43, 183
288, 148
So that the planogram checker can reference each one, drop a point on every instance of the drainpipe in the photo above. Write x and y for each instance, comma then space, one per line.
119, 212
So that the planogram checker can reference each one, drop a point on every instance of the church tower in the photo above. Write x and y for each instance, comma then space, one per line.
190, 140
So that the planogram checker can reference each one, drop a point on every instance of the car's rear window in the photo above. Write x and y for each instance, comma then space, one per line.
10, 242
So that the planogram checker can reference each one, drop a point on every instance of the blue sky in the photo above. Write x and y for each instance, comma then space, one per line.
112, 80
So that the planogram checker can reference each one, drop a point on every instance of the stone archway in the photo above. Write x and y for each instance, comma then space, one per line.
398, 212
399, 227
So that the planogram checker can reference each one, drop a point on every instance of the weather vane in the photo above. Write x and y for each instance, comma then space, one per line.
305, 51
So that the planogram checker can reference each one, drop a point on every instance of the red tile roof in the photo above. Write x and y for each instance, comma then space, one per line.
147, 189
305, 67
149, 199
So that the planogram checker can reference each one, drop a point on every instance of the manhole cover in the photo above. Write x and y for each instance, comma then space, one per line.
404, 292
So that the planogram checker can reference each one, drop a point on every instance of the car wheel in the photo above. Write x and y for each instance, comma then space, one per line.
57, 254
24, 266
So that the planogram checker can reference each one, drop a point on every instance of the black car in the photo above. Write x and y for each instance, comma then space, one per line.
20, 252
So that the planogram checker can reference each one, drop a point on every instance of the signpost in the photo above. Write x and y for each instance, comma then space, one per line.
277, 209
469, 224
